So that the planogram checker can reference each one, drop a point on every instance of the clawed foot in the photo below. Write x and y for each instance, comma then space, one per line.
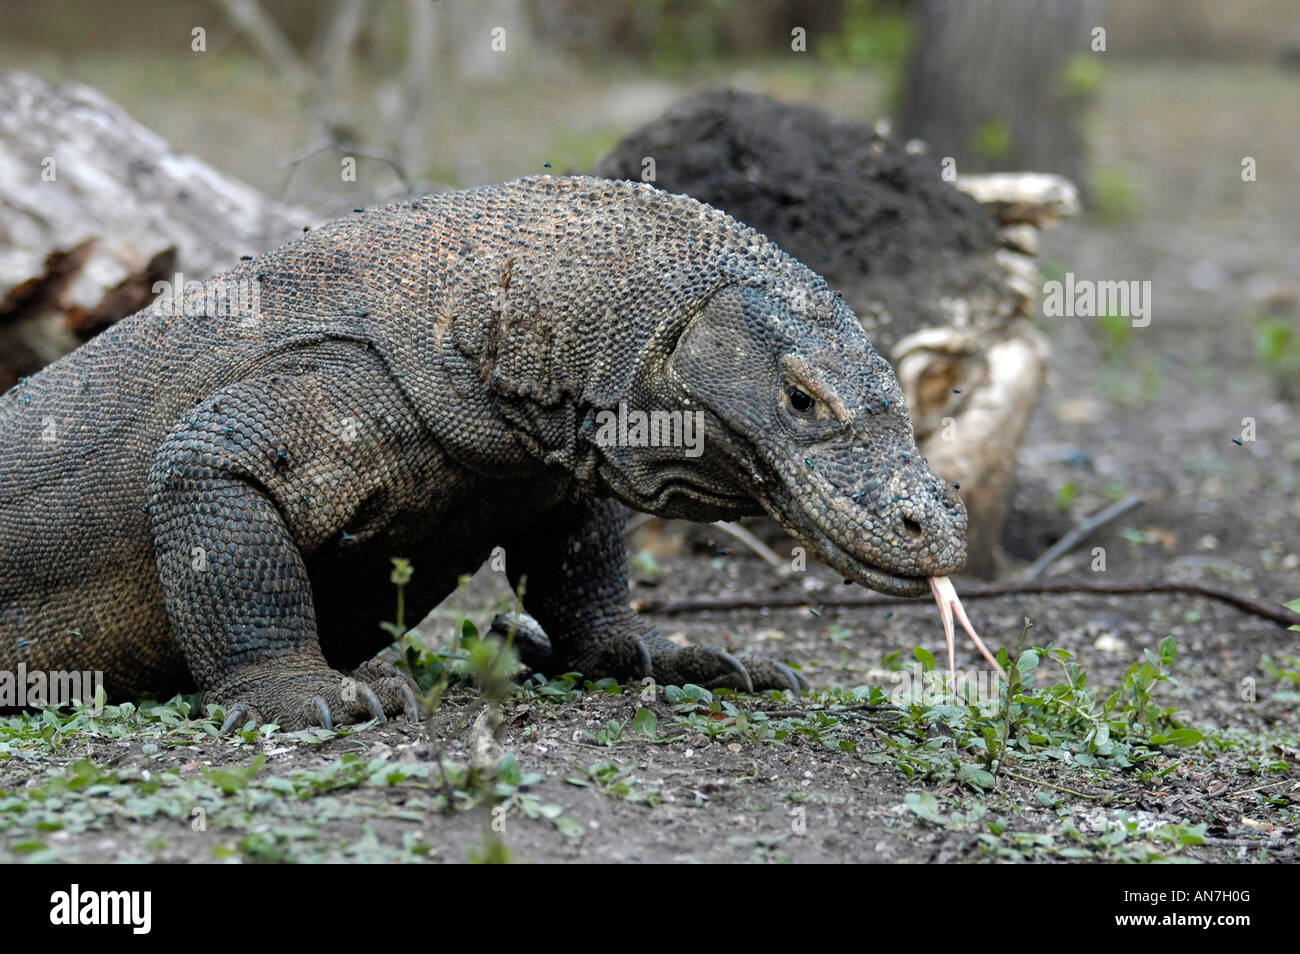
313, 695
715, 668
632, 658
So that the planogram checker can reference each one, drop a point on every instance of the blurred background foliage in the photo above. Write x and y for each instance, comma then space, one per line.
576, 75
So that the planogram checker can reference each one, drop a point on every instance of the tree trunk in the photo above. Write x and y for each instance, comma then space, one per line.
1003, 84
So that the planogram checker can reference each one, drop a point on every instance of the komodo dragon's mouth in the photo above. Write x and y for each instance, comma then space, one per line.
853, 567
895, 584
869, 574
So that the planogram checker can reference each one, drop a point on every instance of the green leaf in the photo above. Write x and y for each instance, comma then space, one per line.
569, 827
1028, 661
645, 722
1168, 650
508, 769
975, 775
1184, 737
402, 571
924, 657
1294, 606
696, 693
925, 806
1066, 494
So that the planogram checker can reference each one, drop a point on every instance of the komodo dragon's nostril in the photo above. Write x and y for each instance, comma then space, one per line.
912, 527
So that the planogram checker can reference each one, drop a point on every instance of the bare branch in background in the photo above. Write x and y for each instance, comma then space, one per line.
332, 57
263, 33
413, 132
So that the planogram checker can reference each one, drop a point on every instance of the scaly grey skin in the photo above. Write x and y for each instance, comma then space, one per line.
212, 501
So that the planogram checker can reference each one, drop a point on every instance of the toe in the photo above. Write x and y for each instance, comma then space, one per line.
625, 658
769, 674
238, 716
701, 665
321, 710
371, 701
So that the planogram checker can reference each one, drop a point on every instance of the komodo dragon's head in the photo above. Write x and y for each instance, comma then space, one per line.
692, 317
803, 418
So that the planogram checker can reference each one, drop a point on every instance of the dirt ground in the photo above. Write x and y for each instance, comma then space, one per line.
606, 775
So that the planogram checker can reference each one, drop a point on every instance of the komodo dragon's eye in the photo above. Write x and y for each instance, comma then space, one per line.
799, 401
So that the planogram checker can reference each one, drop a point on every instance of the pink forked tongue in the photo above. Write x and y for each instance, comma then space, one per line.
945, 595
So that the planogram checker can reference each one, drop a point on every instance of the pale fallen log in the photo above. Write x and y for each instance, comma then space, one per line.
96, 209
973, 383
1038, 198
972, 437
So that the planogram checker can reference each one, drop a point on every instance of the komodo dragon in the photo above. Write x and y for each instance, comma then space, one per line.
200, 498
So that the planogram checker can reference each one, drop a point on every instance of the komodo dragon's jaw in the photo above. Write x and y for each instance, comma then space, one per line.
804, 414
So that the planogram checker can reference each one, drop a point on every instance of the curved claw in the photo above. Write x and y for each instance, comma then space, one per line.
643, 652
323, 714
796, 682
237, 716
372, 700
736, 666
410, 708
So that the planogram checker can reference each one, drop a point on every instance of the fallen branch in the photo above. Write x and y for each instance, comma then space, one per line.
761, 549
637, 521
734, 530
972, 591
1080, 533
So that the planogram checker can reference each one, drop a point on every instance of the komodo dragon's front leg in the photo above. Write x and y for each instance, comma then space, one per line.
254, 478
573, 570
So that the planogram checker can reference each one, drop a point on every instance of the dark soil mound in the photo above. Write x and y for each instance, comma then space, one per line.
854, 206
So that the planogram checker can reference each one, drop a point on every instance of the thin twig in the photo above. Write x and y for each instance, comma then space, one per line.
347, 147
1080, 533
972, 591
1257, 788
1269, 842
265, 34
763, 551
1059, 788
637, 521
734, 530
856, 707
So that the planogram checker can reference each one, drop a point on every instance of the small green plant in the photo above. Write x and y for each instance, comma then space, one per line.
1294, 606
1284, 673
1116, 334
644, 561
872, 34
609, 735
1065, 495
401, 575
992, 140
1277, 346
1082, 75
616, 781
1114, 196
